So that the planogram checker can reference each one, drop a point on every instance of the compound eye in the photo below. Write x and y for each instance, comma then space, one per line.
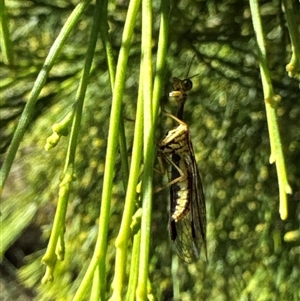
188, 85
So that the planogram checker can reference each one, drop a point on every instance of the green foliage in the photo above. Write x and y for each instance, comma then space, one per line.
75, 114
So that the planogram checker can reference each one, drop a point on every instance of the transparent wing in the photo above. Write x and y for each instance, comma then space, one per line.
183, 242
189, 233
198, 209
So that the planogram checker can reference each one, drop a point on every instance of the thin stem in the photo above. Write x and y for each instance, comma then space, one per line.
101, 244
293, 67
148, 155
5, 40
38, 85
63, 196
95, 292
161, 57
134, 268
271, 104
104, 29
124, 233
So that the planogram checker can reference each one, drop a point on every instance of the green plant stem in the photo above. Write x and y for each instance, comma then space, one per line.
95, 292
271, 104
50, 257
38, 85
5, 41
148, 155
59, 129
293, 66
175, 277
134, 268
162, 48
104, 29
151, 105
63, 196
124, 233
113, 134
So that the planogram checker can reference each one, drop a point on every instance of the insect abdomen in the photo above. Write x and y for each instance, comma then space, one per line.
181, 189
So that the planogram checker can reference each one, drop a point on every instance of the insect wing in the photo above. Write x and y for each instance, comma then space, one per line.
198, 207
181, 231
189, 233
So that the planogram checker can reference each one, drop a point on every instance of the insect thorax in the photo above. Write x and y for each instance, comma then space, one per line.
176, 141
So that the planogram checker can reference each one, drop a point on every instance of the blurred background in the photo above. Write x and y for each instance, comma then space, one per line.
252, 253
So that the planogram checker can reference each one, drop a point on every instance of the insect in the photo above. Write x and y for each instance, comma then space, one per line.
187, 202
180, 87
